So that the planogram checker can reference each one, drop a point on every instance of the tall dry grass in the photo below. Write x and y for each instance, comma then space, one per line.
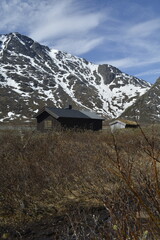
50, 174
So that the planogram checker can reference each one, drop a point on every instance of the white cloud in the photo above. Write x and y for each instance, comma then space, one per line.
62, 19
124, 34
53, 21
145, 29
133, 44
78, 46
69, 27
15, 15
132, 62
149, 73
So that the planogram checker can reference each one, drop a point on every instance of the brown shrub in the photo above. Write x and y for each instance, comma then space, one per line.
43, 174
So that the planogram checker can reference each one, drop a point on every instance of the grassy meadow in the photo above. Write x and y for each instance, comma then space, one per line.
50, 175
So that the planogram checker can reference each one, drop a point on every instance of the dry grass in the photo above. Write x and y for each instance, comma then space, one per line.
45, 174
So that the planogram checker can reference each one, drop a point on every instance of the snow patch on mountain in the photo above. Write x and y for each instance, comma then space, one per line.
36, 75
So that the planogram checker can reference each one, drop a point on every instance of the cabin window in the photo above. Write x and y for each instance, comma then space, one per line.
47, 124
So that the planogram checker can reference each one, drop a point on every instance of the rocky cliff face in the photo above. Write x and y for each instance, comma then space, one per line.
32, 75
147, 107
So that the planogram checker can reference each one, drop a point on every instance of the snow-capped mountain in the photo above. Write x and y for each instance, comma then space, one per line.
33, 75
147, 107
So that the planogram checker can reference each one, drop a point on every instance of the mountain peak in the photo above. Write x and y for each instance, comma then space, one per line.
33, 75
147, 107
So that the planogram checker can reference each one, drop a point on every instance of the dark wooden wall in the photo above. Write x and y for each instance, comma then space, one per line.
46, 117
67, 123
75, 123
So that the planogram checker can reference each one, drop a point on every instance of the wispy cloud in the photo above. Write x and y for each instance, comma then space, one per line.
64, 18
15, 15
79, 46
145, 29
135, 44
54, 22
150, 72
132, 62
122, 33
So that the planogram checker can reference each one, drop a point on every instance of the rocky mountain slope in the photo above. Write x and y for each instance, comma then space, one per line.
147, 107
32, 75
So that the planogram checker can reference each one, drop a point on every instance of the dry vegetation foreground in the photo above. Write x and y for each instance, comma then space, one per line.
84, 185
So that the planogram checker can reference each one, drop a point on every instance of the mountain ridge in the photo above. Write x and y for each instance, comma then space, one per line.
33, 75
147, 107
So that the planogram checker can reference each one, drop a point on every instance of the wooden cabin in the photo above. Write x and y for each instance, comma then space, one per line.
50, 118
122, 123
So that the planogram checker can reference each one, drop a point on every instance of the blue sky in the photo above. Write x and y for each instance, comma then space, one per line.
123, 33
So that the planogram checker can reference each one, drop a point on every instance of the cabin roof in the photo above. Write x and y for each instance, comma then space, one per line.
92, 115
128, 122
69, 113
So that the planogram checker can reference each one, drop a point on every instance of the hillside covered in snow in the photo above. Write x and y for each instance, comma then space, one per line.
33, 75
